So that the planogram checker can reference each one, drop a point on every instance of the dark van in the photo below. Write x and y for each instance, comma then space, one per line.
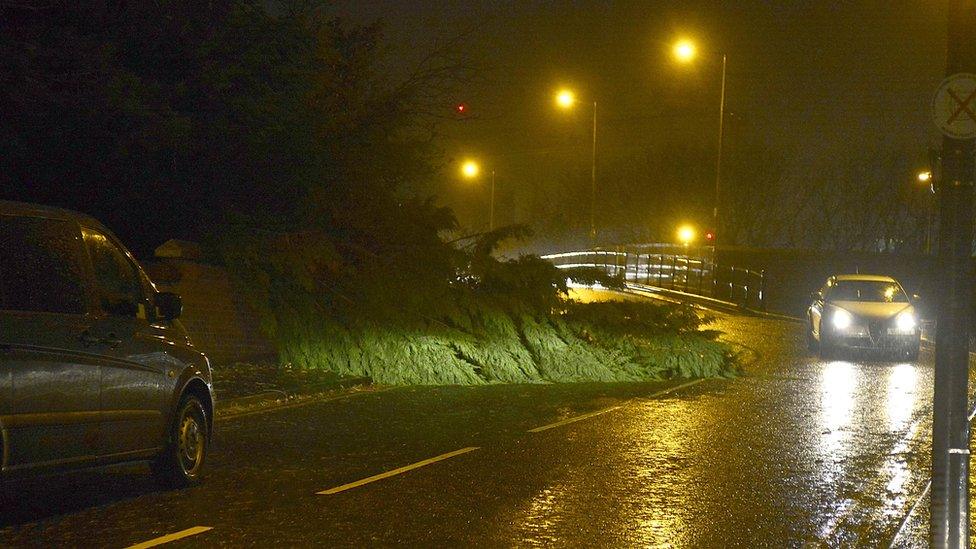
94, 366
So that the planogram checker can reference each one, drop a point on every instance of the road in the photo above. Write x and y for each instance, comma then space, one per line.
795, 452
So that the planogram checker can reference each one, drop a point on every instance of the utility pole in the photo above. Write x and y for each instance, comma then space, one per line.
955, 112
491, 204
593, 184
718, 159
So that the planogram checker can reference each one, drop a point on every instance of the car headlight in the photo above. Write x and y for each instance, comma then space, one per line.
905, 322
842, 319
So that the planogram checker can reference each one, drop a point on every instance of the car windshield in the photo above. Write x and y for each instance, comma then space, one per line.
865, 290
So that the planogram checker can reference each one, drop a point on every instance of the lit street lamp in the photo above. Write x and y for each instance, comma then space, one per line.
684, 51
686, 235
566, 99
470, 170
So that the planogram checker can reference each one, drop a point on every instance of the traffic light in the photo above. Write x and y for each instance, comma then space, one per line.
461, 109
710, 236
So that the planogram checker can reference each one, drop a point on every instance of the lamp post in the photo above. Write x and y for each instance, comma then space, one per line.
925, 178
491, 203
566, 99
470, 169
685, 52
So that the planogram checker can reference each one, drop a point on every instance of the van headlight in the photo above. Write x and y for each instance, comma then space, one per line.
905, 322
842, 319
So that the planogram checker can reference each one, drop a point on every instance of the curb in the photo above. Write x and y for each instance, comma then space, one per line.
271, 397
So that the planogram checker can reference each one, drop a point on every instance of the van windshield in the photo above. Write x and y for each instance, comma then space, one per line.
864, 290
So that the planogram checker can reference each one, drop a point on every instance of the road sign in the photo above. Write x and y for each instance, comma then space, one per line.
954, 106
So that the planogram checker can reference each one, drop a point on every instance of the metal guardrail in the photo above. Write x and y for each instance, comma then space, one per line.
698, 275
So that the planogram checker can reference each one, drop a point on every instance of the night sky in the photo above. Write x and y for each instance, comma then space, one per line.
820, 84
815, 91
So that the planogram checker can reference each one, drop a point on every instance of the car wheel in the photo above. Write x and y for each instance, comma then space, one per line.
812, 344
825, 348
180, 463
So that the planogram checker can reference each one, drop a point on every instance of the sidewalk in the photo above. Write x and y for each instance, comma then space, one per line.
242, 387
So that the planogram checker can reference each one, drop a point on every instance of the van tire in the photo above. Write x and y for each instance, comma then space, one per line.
181, 462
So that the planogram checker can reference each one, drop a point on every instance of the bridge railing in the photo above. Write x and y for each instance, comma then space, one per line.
698, 275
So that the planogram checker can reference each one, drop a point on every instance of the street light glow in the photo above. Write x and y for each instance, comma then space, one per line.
686, 234
565, 99
924, 177
470, 169
685, 51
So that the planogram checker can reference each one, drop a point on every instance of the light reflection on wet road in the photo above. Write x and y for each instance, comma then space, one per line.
797, 451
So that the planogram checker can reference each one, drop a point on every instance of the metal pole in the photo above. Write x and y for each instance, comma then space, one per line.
593, 182
762, 290
949, 510
701, 272
491, 204
930, 221
714, 278
718, 161
674, 270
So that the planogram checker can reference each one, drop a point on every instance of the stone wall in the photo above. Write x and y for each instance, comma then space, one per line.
219, 321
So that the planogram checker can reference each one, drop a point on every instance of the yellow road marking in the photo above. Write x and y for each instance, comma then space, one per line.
604, 411
395, 472
171, 537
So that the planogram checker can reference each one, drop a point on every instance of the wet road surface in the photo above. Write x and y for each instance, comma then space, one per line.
796, 452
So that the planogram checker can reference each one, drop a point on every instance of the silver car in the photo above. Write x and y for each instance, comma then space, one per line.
863, 312
95, 368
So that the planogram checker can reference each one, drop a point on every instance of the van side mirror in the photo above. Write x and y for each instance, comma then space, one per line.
169, 306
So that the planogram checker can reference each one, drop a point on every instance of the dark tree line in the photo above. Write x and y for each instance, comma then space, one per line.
869, 201
169, 118
276, 135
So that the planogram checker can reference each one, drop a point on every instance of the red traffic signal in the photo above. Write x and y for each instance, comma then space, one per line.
461, 108
710, 236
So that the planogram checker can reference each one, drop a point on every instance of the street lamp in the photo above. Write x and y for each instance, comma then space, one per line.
686, 235
566, 99
684, 51
470, 170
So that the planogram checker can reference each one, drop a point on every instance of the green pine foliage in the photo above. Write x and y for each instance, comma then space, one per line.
490, 342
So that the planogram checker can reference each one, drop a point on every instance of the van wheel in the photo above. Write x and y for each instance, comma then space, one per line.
180, 463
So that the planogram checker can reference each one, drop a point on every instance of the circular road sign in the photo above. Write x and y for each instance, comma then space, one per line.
954, 106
